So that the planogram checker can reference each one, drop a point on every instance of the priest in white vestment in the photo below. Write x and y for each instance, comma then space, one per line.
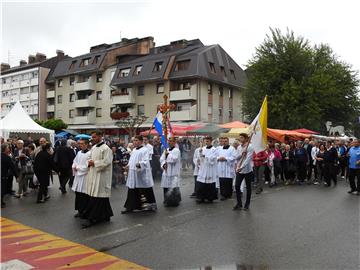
226, 168
98, 181
80, 171
170, 161
139, 180
207, 178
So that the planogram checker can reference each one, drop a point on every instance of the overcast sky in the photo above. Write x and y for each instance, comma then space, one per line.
238, 26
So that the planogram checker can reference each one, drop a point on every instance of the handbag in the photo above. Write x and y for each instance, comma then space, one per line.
28, 168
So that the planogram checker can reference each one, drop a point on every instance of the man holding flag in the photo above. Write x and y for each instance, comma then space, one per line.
255, 143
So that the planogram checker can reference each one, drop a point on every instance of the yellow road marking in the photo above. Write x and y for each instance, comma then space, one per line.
50, 245
67, 253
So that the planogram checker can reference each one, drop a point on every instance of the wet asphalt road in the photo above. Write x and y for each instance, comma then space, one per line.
293, 227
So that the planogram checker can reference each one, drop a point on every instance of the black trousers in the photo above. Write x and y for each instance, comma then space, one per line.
4, 184
330, 173
311, 168
226, 188
64, 176
343, 162
136, 197
43, 191
352, 174
301, 170
249, 177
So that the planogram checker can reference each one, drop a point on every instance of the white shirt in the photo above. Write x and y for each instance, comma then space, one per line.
139, 177
151, 150
171, 176
80, 169
196, 161
247, 161
208, 169
226, 169
314, 151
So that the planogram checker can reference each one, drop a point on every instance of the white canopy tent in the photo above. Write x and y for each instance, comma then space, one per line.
18, 122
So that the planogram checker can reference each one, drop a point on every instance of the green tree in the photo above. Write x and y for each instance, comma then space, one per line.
306, 85
54, 124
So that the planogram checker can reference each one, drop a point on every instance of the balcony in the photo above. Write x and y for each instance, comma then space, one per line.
34, 81
87, 119
123, 98
24, 83
5, 86
186, 115
186, 94
24, 97
50, 93
85, 86
50, 108
85, 103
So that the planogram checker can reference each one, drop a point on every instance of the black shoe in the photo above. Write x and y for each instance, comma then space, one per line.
126, 211
246, 208
237, 207
47, 197
200, 201
351, 191
40, 201
63, 191
77, 215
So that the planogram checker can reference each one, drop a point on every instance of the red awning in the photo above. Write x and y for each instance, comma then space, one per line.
178, 130
305, 131
234, 124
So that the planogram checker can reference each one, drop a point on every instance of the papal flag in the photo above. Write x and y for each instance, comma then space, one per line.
258, 128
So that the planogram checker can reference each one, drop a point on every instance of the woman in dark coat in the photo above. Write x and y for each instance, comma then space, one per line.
289, 167
43, 165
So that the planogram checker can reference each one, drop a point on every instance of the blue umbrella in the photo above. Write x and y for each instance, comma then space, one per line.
82, 136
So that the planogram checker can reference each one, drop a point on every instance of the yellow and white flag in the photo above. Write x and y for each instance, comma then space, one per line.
258, 128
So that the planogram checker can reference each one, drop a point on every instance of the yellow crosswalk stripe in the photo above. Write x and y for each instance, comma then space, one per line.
122, 264
15, 227
67, 253
50, 245
89, 260
39, 239
21, 234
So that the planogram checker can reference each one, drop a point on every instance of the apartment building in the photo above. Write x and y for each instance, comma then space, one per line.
81, 93
203, 82
27, 83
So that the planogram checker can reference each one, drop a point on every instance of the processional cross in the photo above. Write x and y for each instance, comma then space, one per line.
165, 108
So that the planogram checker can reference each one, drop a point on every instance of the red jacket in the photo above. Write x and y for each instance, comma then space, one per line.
260, 158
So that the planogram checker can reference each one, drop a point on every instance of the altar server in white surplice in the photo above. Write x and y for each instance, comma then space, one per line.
226, 168
98, 181
80, 171
139, 181
207, 179
170, 162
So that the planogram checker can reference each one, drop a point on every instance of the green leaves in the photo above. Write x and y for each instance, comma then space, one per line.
307, 85
54, 124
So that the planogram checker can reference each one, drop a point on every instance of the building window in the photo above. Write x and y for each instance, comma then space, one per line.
209, 89
141, 109
221, 92
59, 99
232, 74
212, 67
140, 90
137, 70
72, 97
71, 114
231, 93
210, 109
220, 111
99, 77
72, 80
99, 95
124, 72
60, 83
98, 112
183, 106
222, 69
96, 59
182, 65
59, 114
34, 89
85, 62
72, 64
184, 86
22, 91
160, 88
157, 66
